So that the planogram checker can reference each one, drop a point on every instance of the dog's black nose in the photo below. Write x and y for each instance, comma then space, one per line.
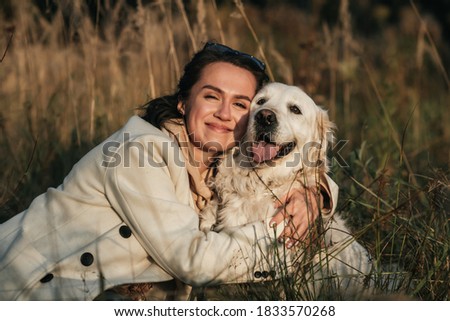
266, 117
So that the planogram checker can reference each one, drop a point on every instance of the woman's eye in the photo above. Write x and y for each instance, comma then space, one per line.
241, 105
210, 97
261, 101
295, 109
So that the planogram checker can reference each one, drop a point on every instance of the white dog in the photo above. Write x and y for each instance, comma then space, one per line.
284, 147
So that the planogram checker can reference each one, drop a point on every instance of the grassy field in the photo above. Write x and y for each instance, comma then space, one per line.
69, 77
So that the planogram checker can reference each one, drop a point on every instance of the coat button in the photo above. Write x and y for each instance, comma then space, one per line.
46, 278
87, 259
257, 274
125, 231
265, 274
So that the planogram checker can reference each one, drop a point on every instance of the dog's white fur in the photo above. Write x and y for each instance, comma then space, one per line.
246, 188
242, 196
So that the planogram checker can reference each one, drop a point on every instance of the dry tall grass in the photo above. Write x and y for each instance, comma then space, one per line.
71, 77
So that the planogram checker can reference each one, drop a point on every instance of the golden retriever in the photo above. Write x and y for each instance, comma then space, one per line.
284, 148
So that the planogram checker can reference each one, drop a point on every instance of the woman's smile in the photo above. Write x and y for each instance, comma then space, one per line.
219, 128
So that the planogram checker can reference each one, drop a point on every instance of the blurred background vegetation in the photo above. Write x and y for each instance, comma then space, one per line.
72, 72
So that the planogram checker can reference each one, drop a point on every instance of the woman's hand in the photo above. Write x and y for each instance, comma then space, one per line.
299, 209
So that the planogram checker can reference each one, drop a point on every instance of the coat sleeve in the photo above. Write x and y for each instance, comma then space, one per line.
146, 190
330, 194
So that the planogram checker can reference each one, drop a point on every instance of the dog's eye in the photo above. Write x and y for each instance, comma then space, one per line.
261, 101
295, 109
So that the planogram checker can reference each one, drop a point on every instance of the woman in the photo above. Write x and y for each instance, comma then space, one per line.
127, 212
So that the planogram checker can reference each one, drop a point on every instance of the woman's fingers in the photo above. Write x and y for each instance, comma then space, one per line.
278, 218
299, 213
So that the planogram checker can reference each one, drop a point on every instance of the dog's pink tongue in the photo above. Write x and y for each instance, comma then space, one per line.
263, 151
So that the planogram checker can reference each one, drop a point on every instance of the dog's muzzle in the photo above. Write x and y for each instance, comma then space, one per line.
264, 147
265, 125
266, 118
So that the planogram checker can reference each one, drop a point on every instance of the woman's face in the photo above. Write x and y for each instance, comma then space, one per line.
218, 106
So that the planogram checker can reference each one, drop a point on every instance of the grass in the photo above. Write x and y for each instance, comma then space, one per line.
70, 80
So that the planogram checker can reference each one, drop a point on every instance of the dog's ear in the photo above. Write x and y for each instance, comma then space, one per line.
326, 128
324, 137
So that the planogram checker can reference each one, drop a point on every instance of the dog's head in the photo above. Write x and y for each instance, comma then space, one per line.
287, 128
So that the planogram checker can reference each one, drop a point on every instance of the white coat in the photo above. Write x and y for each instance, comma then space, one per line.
123, 214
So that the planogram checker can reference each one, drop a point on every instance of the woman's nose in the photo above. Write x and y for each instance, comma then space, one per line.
224, 111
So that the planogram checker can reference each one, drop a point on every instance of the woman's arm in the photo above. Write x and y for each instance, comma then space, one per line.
150, 192
302, 206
